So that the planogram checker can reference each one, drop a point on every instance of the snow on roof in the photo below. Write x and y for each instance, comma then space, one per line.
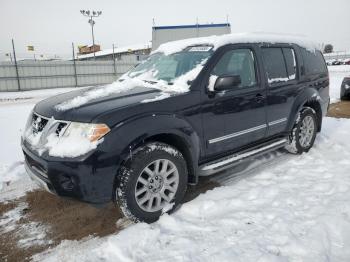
118, 50
217, 41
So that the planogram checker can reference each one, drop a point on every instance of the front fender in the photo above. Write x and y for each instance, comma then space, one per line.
127, 136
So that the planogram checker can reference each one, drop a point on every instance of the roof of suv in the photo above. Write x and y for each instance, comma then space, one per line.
217, 41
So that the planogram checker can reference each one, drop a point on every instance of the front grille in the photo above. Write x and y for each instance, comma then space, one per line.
38, 123
60, 127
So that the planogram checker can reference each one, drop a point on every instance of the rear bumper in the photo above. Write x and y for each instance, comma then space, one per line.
89, 180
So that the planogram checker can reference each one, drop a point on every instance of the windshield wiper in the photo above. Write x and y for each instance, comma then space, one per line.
150, 82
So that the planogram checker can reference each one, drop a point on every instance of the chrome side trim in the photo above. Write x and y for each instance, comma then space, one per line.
235, 158
278, 121
243, 132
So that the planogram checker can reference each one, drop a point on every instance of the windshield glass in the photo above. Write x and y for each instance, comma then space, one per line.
170, 67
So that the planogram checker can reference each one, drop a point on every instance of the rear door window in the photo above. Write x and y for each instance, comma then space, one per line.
280, 64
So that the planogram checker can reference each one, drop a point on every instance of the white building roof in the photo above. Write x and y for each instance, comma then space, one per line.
117, 50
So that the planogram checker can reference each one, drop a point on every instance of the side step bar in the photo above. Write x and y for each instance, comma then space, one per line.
232, 160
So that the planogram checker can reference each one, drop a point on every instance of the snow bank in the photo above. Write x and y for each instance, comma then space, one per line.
293, 208
217, 41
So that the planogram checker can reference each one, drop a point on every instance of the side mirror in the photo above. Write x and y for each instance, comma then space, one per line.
227, 82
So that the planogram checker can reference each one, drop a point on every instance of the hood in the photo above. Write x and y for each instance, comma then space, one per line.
92, 108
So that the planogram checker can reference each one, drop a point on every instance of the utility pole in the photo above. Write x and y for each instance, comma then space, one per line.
16, 65
115, 70
91, 15
75, 66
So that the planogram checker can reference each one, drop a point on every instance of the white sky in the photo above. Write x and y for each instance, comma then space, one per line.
51, 26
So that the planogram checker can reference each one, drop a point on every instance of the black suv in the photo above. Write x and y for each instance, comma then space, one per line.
193, 108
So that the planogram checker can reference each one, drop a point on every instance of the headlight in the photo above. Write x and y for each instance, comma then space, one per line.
93, 132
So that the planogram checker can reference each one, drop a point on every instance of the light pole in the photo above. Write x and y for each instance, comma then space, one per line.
91, 15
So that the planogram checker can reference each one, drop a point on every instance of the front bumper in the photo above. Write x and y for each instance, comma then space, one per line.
89, 179
37, 178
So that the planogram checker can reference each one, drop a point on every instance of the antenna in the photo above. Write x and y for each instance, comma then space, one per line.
228, 24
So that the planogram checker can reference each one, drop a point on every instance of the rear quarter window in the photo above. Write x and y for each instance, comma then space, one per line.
313, 62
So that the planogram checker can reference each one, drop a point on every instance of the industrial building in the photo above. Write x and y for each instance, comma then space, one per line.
132, 53
163, 34
160, 35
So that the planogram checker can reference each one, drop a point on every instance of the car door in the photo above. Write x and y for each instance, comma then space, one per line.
235, 117
280, 64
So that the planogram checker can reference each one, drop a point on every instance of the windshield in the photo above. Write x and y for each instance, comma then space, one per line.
170, 67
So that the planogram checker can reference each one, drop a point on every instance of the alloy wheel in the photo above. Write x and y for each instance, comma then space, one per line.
156, 185
307, 129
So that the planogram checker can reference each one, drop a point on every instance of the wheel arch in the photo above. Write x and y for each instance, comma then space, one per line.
167, 129
309, 98
180, 144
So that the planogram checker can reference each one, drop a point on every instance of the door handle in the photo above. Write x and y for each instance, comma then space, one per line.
259, 98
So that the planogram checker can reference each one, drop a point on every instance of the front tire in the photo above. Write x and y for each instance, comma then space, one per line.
152, 181
304, 132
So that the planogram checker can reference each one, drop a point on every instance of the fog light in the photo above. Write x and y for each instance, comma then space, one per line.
67, 183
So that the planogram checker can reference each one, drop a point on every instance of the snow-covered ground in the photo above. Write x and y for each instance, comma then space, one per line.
281, 208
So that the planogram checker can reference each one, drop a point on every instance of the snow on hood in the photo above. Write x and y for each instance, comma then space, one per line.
180, 85
217, 41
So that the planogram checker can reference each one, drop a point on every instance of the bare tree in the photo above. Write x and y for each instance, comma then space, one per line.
328, 48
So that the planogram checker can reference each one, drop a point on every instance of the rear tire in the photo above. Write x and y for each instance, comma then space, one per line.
304, 132
152, 181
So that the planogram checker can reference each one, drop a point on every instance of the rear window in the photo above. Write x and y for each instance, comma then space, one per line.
313, 62
280, 64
